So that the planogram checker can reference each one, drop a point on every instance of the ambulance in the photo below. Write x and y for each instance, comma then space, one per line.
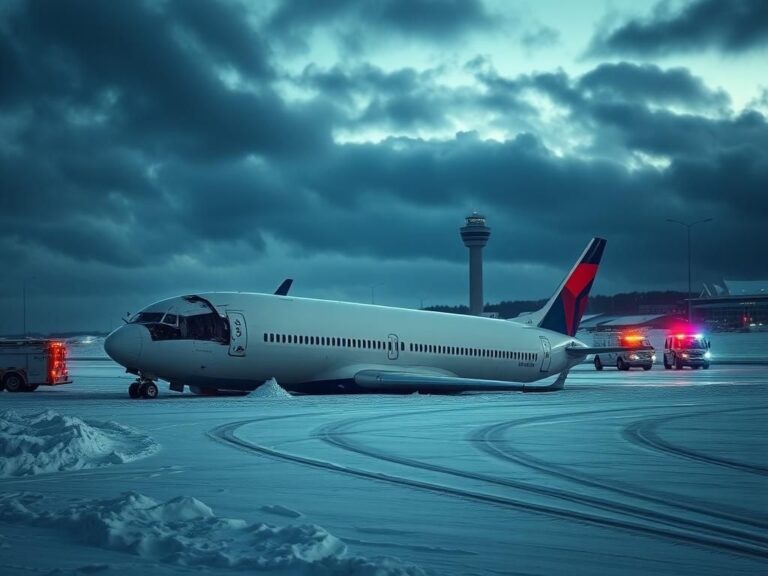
623, 360
685, 349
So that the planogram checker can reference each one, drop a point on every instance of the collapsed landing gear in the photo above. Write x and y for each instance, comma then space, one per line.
142, 388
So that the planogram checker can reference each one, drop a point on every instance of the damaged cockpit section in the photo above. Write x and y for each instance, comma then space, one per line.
186, 318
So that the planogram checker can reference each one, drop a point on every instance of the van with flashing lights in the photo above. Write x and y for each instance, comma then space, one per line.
28, 363
625, 359
685, 349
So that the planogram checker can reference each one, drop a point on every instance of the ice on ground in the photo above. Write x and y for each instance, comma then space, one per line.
50, 442
184, 531
281, 511
270, 389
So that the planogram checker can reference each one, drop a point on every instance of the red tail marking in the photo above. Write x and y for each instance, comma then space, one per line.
574, 287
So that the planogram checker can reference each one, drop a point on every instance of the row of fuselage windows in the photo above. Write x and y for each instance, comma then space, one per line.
273, 338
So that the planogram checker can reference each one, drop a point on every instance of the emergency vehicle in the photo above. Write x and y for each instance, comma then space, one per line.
686, 350
623, 360
28, 363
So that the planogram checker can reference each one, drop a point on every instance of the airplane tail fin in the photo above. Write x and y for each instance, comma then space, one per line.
563, 312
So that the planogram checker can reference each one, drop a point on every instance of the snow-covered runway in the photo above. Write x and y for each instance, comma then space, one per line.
660, 472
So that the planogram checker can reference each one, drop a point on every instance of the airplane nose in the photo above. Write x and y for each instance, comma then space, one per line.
124, 345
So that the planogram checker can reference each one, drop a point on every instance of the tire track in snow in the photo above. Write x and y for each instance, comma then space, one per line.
491, 440
227, 434
644, 433
337, 435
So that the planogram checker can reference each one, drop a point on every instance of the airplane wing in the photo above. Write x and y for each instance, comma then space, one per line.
395, 381
585, 351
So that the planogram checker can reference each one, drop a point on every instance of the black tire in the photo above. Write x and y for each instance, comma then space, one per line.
667, 365
30, 387
621, 365
598, 363
133, 390
678, 364
149, 390
646, 368
14, 382
706, 366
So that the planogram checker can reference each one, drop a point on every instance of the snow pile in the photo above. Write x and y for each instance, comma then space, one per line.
186, 532
270, 389
50, 442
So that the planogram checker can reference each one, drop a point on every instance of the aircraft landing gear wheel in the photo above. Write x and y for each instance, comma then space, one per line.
133, 390
598, 363
148, 390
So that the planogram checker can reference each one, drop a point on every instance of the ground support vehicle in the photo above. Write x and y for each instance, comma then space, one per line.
682, 350
625, 359
28, 363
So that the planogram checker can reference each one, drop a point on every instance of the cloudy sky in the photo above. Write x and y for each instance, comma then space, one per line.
154, 148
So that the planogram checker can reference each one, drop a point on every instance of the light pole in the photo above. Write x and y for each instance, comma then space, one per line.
688, 226
373, 293
24, 306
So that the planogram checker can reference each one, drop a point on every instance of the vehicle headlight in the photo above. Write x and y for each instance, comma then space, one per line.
684, 355
633, 356
653, 357
707, 355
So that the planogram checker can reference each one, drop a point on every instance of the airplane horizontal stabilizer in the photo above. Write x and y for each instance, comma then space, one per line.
584, 351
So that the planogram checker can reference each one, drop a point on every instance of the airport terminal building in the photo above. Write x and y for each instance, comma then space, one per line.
733, 305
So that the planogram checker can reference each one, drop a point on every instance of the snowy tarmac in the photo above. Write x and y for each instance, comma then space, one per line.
660, 472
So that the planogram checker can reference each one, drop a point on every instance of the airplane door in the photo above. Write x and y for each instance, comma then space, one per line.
238, 334
546, 357
393, 347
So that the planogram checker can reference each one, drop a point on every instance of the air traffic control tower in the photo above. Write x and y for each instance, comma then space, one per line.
475, 235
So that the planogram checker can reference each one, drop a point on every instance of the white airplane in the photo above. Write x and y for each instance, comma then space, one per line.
233, 341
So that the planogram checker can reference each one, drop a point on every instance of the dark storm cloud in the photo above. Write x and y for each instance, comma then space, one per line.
160, 84
730, 26
224, 31
400, 100
102, 92
440, 20
650, 83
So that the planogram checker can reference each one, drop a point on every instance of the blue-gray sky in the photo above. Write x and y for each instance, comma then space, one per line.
154, 148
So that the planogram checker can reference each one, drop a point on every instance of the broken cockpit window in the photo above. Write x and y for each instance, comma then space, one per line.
197, 319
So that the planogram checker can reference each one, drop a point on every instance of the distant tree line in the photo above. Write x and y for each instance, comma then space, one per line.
628, 303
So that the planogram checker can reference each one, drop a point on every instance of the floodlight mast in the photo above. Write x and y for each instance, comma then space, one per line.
688, 226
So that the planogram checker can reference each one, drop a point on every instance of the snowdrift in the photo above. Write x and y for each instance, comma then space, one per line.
50, 442
270, 389
186, 532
